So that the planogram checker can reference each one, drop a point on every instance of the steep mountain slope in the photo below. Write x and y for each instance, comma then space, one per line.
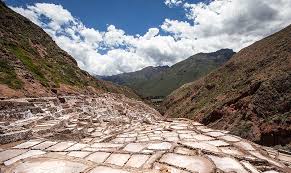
161, 81
32, 64
250, 95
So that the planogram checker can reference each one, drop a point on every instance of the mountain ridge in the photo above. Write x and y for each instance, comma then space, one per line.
143, 74
161, 80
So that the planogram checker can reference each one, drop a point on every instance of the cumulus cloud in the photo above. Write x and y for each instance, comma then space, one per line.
123, 53
209, 27
234, 24
172, 3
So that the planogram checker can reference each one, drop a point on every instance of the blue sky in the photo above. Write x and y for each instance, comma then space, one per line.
133, 16
108, 37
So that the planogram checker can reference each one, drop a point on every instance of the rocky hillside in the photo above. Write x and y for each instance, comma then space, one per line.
32, 64
250, 95
161, 81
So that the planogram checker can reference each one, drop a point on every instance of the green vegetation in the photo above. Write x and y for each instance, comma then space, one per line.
279, 118
8, 75
45, 71
24, 57
243, 129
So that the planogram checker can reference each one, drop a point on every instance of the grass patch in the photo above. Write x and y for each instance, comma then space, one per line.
8, 75
23, 56
279, 118
243, 129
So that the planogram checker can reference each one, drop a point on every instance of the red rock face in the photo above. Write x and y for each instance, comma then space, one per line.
250, 95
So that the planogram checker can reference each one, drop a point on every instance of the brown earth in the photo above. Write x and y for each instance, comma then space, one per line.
250, 95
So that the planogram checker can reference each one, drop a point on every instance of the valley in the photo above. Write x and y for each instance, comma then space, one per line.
158, 82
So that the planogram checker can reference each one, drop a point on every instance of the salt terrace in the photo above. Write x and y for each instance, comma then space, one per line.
111, 133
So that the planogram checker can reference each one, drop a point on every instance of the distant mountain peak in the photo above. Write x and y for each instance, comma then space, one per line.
153, 68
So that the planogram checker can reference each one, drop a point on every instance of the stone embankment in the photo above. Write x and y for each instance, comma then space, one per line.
111, 133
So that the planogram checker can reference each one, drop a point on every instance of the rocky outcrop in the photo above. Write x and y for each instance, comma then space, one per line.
250, 95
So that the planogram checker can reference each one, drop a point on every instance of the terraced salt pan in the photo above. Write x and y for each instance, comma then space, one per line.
215, 134
23, 156
160, 146
259, 155
227, 164
202, 146
60, 146
185, 151
250, 167
44, 145
28, 144
76, 147
167, 168
98, 157
106, 145
179, 127
205, 130
80, 154
217, 143
169, 134
8, 154
173, 147
202, 137
172, 138
191, 163
136, 161
245, 145
231, 151
118, 159
134, 147
284, 157
185, 136
48, 166
104, 169
229, 138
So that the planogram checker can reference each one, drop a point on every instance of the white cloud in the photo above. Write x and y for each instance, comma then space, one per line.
172, 3
152, 32
56, 13
210, 26
230, 23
